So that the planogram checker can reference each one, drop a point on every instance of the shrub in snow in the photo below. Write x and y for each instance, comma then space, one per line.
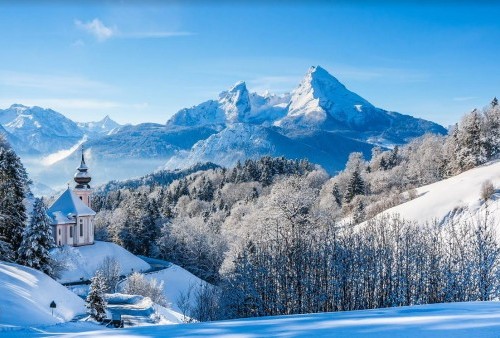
137, 284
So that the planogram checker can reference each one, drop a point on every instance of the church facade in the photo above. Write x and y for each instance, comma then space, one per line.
71, 213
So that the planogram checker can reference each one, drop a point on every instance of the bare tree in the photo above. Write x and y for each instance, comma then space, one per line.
110, 269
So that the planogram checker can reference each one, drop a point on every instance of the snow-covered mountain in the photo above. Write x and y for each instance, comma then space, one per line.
321, 120
106, 126
40, 130
320, 102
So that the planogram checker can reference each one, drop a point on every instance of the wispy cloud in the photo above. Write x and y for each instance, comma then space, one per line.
96, 28
53, 83
78, 43
103, 32
464, 98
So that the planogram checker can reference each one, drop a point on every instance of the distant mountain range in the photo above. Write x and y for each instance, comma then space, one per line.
320, 120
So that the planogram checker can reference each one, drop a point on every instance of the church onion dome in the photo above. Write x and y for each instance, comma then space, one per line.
82, 176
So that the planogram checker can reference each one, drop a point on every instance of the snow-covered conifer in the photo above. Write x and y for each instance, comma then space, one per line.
37, 240
96, 301
355, 187
6, 252
13, 189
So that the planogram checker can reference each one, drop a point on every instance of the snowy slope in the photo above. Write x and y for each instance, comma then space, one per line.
177, 281
82, 262
457, 197
25, 296
452, 320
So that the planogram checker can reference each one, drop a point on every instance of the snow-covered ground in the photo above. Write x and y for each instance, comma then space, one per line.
82, 262
26, 295
475, 319
458, 197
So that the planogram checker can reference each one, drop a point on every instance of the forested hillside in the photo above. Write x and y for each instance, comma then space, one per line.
278, 236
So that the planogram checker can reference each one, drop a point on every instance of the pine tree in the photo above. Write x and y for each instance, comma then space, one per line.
494, 102
471, 150
37, 240
13, 189
355, 187
336, 194
383, 164
96, 302
6, 252
393, 158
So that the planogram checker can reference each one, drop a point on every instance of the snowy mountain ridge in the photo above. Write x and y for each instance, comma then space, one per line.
288, 125
41, 130
321, 120
45, 131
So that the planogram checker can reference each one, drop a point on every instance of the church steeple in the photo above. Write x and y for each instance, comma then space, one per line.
82, 176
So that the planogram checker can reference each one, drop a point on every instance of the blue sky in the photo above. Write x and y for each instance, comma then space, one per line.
143, 61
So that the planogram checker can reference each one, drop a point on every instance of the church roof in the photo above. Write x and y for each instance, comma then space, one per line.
67, 206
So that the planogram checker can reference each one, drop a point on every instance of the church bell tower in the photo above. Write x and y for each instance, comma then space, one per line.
82, 179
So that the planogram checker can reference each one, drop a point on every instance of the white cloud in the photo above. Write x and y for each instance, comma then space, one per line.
102, 32
96, 28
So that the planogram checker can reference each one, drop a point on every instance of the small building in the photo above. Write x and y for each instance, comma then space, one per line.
72, 216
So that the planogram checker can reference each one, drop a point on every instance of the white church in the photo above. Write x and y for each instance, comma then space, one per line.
71, 213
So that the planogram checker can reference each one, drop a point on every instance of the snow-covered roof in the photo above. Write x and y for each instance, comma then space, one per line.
67, 206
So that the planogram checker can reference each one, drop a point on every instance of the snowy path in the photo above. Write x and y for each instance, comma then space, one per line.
475, 319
